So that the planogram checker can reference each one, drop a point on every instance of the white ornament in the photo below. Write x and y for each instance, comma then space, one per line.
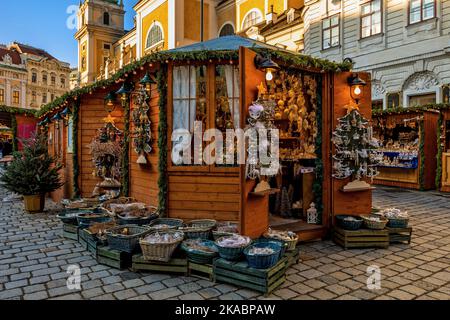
311, 213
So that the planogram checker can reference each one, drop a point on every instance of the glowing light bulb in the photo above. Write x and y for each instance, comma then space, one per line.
269, 76
357, 90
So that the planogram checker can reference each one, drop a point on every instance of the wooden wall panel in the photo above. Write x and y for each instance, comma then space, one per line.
354, 203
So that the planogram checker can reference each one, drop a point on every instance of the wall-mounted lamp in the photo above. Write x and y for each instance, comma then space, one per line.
356, 87
267, 65
146, 82
110, 102
57, 117
124, 92
65, 113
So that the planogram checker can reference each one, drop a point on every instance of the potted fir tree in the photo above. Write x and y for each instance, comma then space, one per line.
33, 173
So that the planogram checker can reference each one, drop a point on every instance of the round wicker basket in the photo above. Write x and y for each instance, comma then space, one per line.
160, 251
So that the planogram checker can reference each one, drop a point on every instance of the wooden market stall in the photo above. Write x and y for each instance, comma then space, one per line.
443, 175
215, 83
409, 146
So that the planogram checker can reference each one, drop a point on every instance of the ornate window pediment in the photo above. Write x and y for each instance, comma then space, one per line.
421, 82
7, 59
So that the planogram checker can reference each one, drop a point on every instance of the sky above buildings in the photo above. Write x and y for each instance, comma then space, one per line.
46, 24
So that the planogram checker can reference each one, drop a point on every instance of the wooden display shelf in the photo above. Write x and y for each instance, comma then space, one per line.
293, 257
202, 271
241, 275
400, 235
175, 265
113, 258
265, 192
70, 232
363, 238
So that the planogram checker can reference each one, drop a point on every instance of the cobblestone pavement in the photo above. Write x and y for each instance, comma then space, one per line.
34, 259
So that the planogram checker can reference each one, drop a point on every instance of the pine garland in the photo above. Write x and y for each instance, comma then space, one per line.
439, 153
162, 141
15, 110
126, 151
422, 156
14, 132
318, 182
416, 109
76, 165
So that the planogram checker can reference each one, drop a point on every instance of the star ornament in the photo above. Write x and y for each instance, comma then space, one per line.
261, 89
109, 119
351, 107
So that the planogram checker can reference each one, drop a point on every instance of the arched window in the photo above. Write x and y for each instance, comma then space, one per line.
155, 35
227, 30
252, 18
106, 18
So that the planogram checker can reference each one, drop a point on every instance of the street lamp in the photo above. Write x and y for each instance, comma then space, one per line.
356, 87
110, 102
267, 65
146, 82
124, 92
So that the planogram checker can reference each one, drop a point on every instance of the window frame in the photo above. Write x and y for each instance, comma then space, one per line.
362, 16
329, 30
14, 97
254, 10
157, 43
106, 15
2, 95
210, 113
421, 12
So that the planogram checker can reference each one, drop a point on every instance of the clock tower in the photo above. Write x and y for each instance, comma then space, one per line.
100, 24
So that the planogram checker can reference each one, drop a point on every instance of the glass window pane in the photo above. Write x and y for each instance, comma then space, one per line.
326, 23
335, 20
376, 5
428, 9
335, 32
365, 22
365, 9
365, 32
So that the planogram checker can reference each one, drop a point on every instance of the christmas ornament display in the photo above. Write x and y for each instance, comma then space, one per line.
142, 136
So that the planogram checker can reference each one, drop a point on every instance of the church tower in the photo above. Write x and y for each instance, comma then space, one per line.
100, 24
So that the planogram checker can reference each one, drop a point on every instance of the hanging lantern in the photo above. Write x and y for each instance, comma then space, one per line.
65, 114
356, 87
267, 65
110, 102
124, 91
147, 82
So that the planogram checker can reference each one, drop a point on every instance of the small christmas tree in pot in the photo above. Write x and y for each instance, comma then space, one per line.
33, 173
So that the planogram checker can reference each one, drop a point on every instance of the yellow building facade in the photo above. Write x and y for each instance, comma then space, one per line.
167, 24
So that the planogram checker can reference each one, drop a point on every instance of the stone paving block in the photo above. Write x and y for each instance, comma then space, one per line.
285, 294
247, 294
113, 287
230, 296
323, 294
125, 294
401, 295
173, 282
166, 293
193, 287
133, 283
39, 295
7, 294
209, 293
148, 288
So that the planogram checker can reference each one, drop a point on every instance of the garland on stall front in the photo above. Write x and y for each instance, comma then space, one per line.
15, 110
126, 151
401, 110
422, 156
14, 133
76, 165
439, 153
162, 141
318, 182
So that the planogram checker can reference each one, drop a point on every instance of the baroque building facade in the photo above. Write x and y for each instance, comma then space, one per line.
403, 43
30, 77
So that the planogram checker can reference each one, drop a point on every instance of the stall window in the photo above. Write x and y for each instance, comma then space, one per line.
189, 102
330, 32
2, 95
70, 135
423, 99
421, 10
370, 18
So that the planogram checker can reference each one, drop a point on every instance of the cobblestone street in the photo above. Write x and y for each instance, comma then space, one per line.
34, 259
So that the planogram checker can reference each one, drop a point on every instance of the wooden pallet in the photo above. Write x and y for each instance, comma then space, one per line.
175, 265
88, 240
113, 258
293, 257
70, 231
241, 275
202, 271
400, 235
363, 238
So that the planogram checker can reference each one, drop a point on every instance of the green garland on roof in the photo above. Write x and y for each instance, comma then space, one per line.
401, 110
439, 153
76, 165
318, 182
162, 141
422, 156
15, 110
14, 132
206, 55
126, 151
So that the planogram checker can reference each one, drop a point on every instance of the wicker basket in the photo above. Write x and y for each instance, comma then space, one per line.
171, 223
231, 253
219, 234
291, 244
69, 216
160, 251
199, 229
126, 243
153, 213
263, 261
200, 256
204, 223
346, 224
95, 216
398, 223
375, 225
281, 243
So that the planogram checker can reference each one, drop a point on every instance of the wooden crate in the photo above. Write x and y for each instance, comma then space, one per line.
113, 258
293, 257
203, 271
241, 275
400, 235
363, 238
70, 231
175, 265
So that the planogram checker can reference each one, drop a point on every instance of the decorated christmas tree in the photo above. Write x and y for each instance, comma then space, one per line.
356, 154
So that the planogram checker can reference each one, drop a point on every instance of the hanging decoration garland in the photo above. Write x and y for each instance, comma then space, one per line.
162, 140
76, 166
439, 151
125, 174
356, 156
142, 135
422, 155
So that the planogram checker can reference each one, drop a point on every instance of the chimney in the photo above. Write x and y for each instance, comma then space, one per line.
271, 16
